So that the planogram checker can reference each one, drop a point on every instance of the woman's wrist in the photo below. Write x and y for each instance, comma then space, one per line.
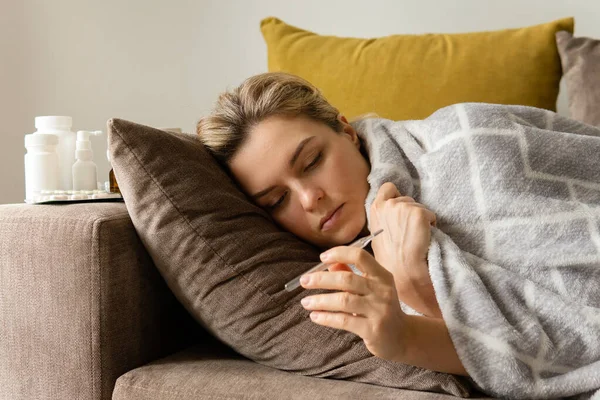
417, 290
426, 343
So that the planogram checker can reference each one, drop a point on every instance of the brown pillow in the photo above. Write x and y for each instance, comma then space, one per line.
227, 263
580, 58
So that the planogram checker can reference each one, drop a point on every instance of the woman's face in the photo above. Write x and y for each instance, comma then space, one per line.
311, 179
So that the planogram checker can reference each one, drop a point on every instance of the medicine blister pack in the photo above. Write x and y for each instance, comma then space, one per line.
66, 196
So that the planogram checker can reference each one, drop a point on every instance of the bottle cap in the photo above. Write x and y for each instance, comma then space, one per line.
83, 146
53, 122
34, 139
84, 155
83, 139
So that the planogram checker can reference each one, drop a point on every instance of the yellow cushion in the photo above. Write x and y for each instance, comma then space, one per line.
410, 76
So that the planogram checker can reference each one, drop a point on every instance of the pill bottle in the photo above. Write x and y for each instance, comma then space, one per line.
61, 127
113, 186
41, 164
84, 169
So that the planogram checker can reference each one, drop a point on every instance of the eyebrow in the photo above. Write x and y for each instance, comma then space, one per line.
293, 160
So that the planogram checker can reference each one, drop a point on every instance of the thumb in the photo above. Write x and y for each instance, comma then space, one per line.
387, 191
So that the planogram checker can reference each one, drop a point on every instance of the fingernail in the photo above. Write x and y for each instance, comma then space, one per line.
324, 256
304, 280
305, 301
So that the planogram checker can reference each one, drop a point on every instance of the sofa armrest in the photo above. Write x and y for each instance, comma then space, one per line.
81, 302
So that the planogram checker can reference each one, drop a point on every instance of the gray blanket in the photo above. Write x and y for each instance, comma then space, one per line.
515, 257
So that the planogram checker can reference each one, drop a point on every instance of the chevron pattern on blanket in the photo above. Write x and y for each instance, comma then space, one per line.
515, 257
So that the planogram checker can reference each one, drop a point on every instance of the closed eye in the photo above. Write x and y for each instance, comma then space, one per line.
314, 161
278, 203
311, 165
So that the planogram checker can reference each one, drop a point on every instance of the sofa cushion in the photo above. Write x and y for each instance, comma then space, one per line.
197, 374
410, 76
580, 58
227, 262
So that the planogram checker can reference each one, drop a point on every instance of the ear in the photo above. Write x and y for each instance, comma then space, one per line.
349, 130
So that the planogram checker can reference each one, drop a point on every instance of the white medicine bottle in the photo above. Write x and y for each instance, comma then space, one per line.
84, 170
41, 164
61, 127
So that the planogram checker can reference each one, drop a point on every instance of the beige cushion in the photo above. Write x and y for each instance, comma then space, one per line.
81, 302
195, 374
580, 57
227, 263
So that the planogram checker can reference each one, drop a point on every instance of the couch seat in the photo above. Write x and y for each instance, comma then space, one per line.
196, 373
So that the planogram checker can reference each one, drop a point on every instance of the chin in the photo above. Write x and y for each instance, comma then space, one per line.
348, 235
339, 239
343, 236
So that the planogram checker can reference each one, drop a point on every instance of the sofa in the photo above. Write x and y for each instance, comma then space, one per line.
84, 314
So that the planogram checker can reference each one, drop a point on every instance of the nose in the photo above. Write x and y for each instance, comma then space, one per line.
310, 196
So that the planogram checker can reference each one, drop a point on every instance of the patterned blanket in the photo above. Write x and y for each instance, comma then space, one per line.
515, 257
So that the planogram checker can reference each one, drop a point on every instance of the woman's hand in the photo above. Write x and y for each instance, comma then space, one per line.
366, 305
403, 246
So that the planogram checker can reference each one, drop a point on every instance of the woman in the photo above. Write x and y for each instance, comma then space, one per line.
297, 157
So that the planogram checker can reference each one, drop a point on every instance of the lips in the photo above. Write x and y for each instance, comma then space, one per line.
328, 216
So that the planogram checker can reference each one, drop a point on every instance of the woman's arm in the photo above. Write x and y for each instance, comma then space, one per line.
428, 345
417, 291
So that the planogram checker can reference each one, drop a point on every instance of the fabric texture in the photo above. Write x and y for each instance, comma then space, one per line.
580, 57
80, 302
227, 263
402, 77
200, 374
515, 257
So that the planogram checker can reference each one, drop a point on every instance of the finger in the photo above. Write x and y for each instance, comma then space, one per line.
428, 215
336, 302
432, 218
340, 280
404, 199
339, 267
364, 261
387, 191
351, 323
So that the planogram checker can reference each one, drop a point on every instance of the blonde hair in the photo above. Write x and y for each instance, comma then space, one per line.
261, 96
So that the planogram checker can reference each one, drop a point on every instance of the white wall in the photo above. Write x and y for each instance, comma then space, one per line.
163, 63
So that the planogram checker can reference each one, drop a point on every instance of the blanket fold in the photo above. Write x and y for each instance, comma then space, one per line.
515, 257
